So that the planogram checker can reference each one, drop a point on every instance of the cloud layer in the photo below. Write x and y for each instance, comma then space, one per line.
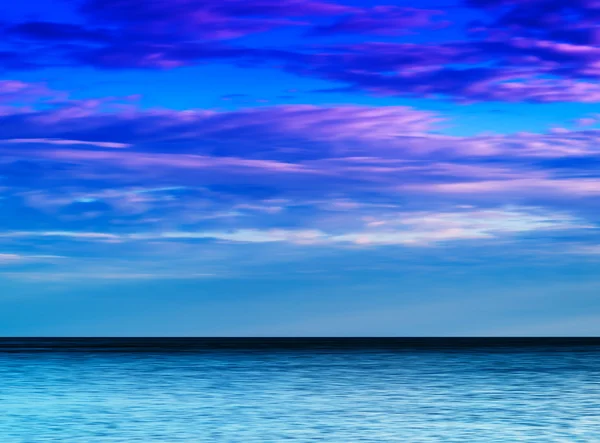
81, 174
93, 173
537, 51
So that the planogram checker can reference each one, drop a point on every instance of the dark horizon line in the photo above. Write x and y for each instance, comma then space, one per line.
318, 344
307, 337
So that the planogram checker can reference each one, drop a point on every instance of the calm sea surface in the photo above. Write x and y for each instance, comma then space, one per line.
303, 391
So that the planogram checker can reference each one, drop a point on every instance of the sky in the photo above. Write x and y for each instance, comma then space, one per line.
300, 168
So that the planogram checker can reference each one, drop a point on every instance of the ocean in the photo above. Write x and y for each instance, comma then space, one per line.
300, 390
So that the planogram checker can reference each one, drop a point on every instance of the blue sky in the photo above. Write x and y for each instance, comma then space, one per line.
299, 168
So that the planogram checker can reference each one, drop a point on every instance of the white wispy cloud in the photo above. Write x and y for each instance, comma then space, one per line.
593, 249
408, 228
578, 186
11, 258
65, 234
58, 141
102, 276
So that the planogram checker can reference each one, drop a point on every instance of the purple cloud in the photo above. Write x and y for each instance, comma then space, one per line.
572, 22
49, 31
192, 19
17, 91
384, 20
304, 131
290, 149
511, 70
538, 51
108, 172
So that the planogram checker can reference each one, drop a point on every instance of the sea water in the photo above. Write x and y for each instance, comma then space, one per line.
302, 391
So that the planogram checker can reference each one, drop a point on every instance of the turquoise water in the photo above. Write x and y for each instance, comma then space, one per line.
114, 393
